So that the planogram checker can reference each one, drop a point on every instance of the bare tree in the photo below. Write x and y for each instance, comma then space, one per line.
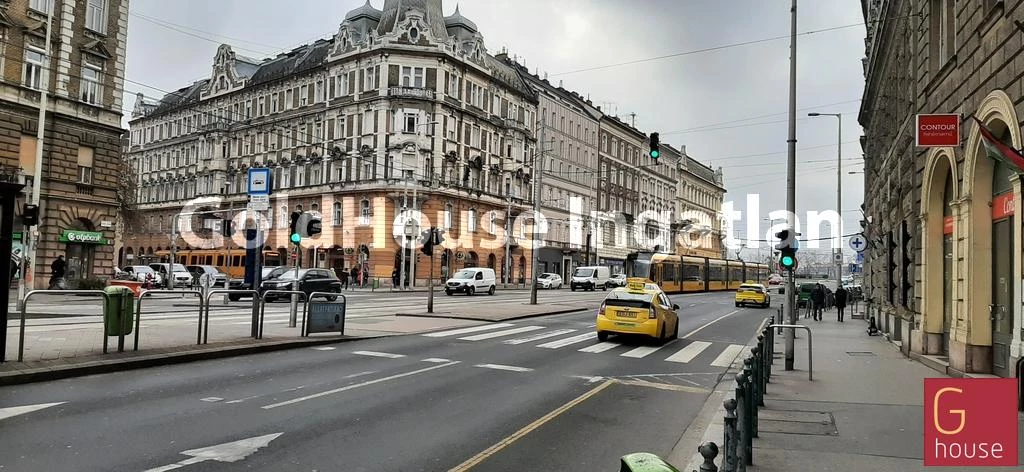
127, 196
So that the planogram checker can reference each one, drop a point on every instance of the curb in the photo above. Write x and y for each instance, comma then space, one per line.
44, 374
495, 320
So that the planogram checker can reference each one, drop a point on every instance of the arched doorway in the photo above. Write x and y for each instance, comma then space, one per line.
80, 249
938, 196
988, 263
492, 261
522, 269
472, 259
398, 272
446, 264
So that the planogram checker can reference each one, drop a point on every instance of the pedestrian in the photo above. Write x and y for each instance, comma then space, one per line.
394, 278
57, 271
818, 299
841, 295
355, 277
366, 277
343, 277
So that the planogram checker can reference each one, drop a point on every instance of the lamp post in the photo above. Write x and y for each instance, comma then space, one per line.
839, 198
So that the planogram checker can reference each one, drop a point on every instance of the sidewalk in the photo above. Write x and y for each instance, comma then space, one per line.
863, 410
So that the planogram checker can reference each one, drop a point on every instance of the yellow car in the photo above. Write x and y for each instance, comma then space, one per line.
638, 308
754, 294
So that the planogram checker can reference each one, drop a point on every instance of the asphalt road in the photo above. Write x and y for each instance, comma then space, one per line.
535, 394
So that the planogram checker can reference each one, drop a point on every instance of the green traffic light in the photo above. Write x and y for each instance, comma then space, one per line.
296, 239
655, 154
787, 261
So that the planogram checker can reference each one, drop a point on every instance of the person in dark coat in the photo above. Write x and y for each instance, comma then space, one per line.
841, 296
343, 278
57, 271
818, 299
355, 277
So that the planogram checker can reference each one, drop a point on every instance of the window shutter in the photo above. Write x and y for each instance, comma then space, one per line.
487, 101
309, 95
351, 124
330, 85
351, 82
330, 129
431, 78
362, 79
295, 97
447, 79
393, 75
376, 120
504, 108
522, 115
376, 77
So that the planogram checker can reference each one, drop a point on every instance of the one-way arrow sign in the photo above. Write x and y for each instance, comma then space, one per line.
228, 452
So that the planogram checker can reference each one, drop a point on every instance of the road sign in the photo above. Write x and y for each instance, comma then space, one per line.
326, 317
860, 258
259, 182
858, 242
259, 202
207, 280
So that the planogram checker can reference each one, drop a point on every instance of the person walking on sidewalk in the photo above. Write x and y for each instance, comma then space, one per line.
343, 278
841, 296
57, 272
355, 277
818, 299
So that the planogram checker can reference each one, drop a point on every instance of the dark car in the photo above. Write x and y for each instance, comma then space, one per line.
268, 272
310, 280
197, 271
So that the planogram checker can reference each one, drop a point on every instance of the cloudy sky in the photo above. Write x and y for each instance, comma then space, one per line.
727, 105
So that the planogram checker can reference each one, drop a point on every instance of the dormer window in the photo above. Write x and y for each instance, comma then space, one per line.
413, 34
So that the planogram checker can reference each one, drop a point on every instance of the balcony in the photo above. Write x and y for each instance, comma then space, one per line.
411, 92
216, 126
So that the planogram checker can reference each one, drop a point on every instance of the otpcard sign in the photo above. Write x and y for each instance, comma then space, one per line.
970, 422
938, 130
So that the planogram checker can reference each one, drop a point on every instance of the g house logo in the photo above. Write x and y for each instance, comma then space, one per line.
970, 422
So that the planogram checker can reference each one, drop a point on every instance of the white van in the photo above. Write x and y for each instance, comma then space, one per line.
470, 281
590, 278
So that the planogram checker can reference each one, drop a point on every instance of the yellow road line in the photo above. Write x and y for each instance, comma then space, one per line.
472, 461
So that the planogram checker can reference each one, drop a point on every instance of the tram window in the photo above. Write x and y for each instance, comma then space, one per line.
716, 273
735, 274
669, 272
691, 272
220, 260
236, 260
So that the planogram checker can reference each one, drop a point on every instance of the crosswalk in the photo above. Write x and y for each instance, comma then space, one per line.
585, 341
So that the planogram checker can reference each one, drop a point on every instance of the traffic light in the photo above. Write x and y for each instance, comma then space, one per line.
655, 146
295, 236
29, 215
787, 247
227, 228
428, 241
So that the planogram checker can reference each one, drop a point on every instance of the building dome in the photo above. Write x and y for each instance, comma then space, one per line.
365, 11
458, 20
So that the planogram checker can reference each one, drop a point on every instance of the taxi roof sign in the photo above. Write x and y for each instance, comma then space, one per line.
636, 284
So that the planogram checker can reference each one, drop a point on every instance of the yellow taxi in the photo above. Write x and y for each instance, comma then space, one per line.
755, 294
638, 308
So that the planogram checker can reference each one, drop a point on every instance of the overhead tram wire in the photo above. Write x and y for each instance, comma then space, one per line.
179, 27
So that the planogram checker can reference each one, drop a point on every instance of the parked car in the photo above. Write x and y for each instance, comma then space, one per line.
121, 275
310, 280
267, 273
590, 278
144, 274
617, 280
181, 276
549, 280
470, 281
197, 271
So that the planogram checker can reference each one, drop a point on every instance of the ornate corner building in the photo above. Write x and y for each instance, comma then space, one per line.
402, 108
83, 77
944, 265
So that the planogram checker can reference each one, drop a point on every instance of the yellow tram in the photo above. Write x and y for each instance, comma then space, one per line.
684, 274
229, 261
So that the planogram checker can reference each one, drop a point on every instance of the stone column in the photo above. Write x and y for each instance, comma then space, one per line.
1017, 344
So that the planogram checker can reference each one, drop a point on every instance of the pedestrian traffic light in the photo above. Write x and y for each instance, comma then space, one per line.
314, 226
227, 228
787, 249
428, 241
29, 214
296, 238
655, 146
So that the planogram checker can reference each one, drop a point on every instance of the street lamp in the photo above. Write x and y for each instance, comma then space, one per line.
839, 197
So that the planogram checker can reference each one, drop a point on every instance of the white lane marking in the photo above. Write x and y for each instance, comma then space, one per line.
693, 305
498, 334
725, 358
689, 352
567, 341
642, 351
378, 354
590, 379
538, 337
691, 333
323, 348
473, 329
21, 410
436, 360
510, 368
211, 399
358, 385
228, 452
600, 347
360, 374
240, 400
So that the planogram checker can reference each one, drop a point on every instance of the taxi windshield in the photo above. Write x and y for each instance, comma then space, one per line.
627, 299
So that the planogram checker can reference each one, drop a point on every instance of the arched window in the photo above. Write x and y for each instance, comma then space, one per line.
364, 212
283, 223
448, 216
472, 220
336, 214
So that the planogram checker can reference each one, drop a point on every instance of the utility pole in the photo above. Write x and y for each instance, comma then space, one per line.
791, 189
28, 235
508, 239
174, 250
839, 207
539, 170
415, 231
405, 228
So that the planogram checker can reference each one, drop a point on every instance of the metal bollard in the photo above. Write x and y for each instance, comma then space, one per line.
750, 368
731, 436
742, 416
769, 357
751, 412
760, 371
709, 451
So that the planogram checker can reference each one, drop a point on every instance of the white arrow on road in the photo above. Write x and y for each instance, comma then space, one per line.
228, 452
21, 410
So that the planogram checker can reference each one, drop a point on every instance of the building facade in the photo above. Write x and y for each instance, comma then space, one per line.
403, 109
83, 76
944, 266
699, 195
569, 127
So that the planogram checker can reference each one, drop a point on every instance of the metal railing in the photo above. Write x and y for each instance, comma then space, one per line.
263, 306
24, 306
145, 293
305, 308
741, 412
810, 344
204, 313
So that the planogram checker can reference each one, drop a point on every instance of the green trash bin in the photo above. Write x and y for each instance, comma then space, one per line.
118, 309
